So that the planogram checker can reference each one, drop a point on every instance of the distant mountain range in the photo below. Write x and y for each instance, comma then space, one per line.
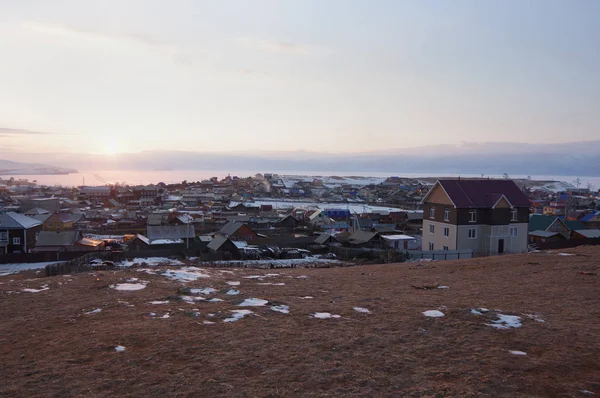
8, 167
577, 158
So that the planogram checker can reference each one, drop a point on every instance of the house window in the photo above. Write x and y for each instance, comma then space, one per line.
431, 228
513, 231
16, 241
3, 236
432, 212
472, 233
514, 215
445, 248
472, 215
446, 214
430, 245
446, 231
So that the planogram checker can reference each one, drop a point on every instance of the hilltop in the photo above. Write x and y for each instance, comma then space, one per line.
516, 325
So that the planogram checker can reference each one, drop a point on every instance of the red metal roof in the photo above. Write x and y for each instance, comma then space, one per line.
483, 193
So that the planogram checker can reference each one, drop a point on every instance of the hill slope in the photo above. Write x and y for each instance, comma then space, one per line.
56, 342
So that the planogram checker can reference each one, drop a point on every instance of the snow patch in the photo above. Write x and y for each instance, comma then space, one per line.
307, 297
204, 290
215, 300
237, 315
185, 274
284, 309
362, 310
191, 299
159, 302
233, 292
433, 313
233, 283
41, 289
129, 287
325, 315
151, 261
521, 353
119, 348
506, 322
92, 312
253, 302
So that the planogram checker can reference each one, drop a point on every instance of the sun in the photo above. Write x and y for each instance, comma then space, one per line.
112, 146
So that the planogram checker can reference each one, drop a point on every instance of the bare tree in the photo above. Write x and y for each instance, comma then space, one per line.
577, 182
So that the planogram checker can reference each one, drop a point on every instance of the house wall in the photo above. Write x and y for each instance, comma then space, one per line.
488, 237
27, 239
437, 238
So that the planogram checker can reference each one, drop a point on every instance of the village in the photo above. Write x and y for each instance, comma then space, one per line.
277, 217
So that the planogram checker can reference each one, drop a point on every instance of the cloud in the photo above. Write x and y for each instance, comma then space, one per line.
274, 46
76, 33
6, 132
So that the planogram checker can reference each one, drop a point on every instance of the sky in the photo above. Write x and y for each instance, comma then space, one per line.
343, 76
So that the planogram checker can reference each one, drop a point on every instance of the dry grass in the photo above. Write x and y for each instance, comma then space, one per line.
50, 347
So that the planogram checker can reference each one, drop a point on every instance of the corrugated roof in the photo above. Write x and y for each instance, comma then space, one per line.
63, 238
589, 233
170, 231
13, 220
483, 193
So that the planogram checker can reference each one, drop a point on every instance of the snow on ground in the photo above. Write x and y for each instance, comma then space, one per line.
191, 299
443, 287
253, 302
284, 309
535, 317
433, 313
185, 274
208, 322
362, 310
237, 315
324, 315
506, 322
515, 352
307, 297
233, 292
41, 289
214, 300
128, 287
150, 261
233, 283
119, 348
281, 263
566, 254
271, 283
204, 290
92, 312
8, 269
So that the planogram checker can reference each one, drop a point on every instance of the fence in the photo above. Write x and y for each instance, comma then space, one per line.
564, 244
440, 254
40, 257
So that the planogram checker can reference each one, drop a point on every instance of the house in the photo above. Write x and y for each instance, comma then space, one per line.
140, 243
319, 218
488, 217
365, 239
400, 241
66, 241
172, 232
222, 244
548, 228
95, 194
326, 239
18, 232
591, 220
288, 221
238, 231
49, 204
61, 221
54, 241
586, 234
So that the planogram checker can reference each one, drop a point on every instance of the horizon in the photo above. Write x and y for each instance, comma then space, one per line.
294, 76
